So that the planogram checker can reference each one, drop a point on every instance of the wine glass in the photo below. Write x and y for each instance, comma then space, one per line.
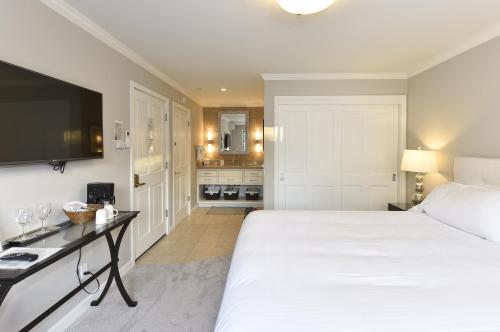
43, 211
23, 218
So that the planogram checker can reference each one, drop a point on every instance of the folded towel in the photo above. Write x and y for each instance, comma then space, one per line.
75, 206
211, 192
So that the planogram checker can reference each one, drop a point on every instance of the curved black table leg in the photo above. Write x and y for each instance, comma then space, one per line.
114, 249
94, 303
118, 278
4, 289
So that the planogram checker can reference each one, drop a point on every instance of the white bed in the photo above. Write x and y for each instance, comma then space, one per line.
363, 271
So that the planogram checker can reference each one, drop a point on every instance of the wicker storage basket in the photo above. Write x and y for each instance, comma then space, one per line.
83, 217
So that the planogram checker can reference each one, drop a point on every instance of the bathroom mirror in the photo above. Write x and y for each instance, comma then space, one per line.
233, 132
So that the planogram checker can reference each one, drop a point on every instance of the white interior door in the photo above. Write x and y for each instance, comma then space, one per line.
149, 190
182, 160
337, 156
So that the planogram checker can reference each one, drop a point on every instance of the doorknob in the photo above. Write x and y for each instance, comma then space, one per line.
394, 177
136, 181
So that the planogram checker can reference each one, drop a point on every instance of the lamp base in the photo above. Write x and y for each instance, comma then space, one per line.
418, 197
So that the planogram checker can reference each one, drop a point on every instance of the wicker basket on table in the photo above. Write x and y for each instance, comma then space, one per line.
83, 217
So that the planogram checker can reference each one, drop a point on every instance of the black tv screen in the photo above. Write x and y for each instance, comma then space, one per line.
43, 119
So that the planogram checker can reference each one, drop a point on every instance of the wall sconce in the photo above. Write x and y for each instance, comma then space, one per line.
258, 142
210, 142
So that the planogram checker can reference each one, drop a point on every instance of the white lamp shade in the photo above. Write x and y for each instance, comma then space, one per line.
419, 161
304, 7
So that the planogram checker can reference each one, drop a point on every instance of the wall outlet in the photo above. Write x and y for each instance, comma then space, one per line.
82, 268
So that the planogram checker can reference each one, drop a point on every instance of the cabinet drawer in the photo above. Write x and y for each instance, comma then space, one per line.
253, 173
207, 179
230, 180
231, 173
207, 172
255, 180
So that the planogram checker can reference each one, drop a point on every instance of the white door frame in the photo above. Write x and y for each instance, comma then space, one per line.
399, 100
184, 108
166, 101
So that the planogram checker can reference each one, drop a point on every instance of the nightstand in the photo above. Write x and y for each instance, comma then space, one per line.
400, 206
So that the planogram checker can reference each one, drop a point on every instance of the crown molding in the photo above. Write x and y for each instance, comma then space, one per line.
248, 104
73, 15
478, 39
334, 76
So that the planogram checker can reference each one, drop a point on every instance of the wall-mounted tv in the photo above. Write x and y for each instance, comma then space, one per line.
46, 120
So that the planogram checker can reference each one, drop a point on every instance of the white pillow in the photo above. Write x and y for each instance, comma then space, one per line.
474, 209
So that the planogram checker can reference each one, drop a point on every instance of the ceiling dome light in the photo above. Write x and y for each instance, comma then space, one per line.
304, 7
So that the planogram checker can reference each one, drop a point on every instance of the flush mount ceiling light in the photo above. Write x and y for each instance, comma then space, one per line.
223, 89
304, 7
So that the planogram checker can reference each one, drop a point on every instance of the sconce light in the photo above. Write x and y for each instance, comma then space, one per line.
210, 142
258, 142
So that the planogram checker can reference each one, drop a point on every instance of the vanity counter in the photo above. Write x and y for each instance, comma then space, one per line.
242, 178
231, 167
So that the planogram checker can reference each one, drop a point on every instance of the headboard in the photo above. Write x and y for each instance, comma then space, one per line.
478, 171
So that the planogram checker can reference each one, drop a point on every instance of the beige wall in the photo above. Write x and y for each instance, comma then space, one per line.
454, 108
35, 37
314, 88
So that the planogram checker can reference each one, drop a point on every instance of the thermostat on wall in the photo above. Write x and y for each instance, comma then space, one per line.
121, 136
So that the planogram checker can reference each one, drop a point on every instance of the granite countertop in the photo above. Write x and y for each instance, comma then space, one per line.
230, 167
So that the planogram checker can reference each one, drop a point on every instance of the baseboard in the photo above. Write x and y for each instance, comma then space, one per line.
75, 313
127, 267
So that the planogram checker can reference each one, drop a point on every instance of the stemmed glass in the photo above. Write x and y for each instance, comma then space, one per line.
23, 218
43, 211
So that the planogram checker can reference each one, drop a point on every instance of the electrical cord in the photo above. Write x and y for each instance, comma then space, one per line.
86, 272
58, 166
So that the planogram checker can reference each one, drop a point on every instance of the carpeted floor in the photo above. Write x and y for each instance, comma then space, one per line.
174, 297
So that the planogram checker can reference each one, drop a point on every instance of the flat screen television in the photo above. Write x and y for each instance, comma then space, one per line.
46, 120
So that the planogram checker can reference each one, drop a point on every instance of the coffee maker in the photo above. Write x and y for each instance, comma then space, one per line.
99, 192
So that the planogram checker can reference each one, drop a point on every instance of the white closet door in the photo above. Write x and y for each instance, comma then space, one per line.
309, 157
337, 157
369, 160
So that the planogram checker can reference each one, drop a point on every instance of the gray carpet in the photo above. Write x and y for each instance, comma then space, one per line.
176, 297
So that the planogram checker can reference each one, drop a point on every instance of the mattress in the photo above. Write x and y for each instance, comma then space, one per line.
359, 271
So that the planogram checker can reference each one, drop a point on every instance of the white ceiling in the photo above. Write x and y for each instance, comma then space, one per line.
207, 44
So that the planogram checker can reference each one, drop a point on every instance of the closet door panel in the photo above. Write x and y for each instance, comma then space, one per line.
337, 157
326, 198
292, 136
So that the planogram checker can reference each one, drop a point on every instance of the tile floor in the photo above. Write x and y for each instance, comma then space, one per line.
198, 237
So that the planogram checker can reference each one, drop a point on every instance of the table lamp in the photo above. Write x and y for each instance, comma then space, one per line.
419, 161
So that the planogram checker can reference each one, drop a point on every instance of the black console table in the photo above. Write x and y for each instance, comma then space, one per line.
72, 238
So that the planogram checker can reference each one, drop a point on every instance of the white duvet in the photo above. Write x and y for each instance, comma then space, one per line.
359, 271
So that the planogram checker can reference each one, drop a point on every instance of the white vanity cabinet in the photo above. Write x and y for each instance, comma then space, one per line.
207, 176
233, 176
253, 177
243, 178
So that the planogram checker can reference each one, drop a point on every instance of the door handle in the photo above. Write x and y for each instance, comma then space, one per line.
177, 172
394, 177
282, 177
136, 181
